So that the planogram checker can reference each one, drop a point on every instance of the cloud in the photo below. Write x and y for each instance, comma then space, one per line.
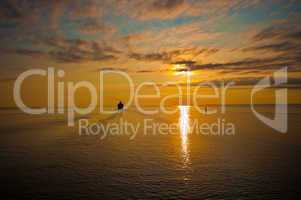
72, 56
24, 52
188, 35
185, 62
94, 26
29, 12
173, 55
69, 50
277, 47
10, 11
80, 50
92, 30
247, 81
283, 41
251, 81
112, 69
150, 57
145, 71
48, 13
152, 9
246, 64
88, 8
280, 32
170, 9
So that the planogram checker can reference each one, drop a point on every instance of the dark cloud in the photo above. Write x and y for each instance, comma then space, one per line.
284, 39
277, 47
30, 11
77, 53
251, 81
167, 4
93, 26
194, 52
9, 11
281, 32
77, 50
23, 17
246, 71
88, 8
69, 50
295, 35
173, 55
170, 9
152, 9
267, 33
72, 56
185, 62
24, 52
150, 57
246, 81
246, 64
112, 69
129, 71
145, 71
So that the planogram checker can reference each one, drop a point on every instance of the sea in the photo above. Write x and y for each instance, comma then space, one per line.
184, 154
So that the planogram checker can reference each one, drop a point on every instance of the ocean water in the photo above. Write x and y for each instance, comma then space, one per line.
42, 158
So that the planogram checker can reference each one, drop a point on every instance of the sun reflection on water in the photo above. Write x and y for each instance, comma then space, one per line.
184, 123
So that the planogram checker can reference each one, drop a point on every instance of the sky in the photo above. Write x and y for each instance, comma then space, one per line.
232, 40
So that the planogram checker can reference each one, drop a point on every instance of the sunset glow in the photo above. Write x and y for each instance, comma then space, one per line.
150, 99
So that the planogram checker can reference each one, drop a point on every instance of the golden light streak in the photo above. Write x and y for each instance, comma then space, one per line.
184, 123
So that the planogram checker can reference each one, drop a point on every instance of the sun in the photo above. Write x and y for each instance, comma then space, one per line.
181, 69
